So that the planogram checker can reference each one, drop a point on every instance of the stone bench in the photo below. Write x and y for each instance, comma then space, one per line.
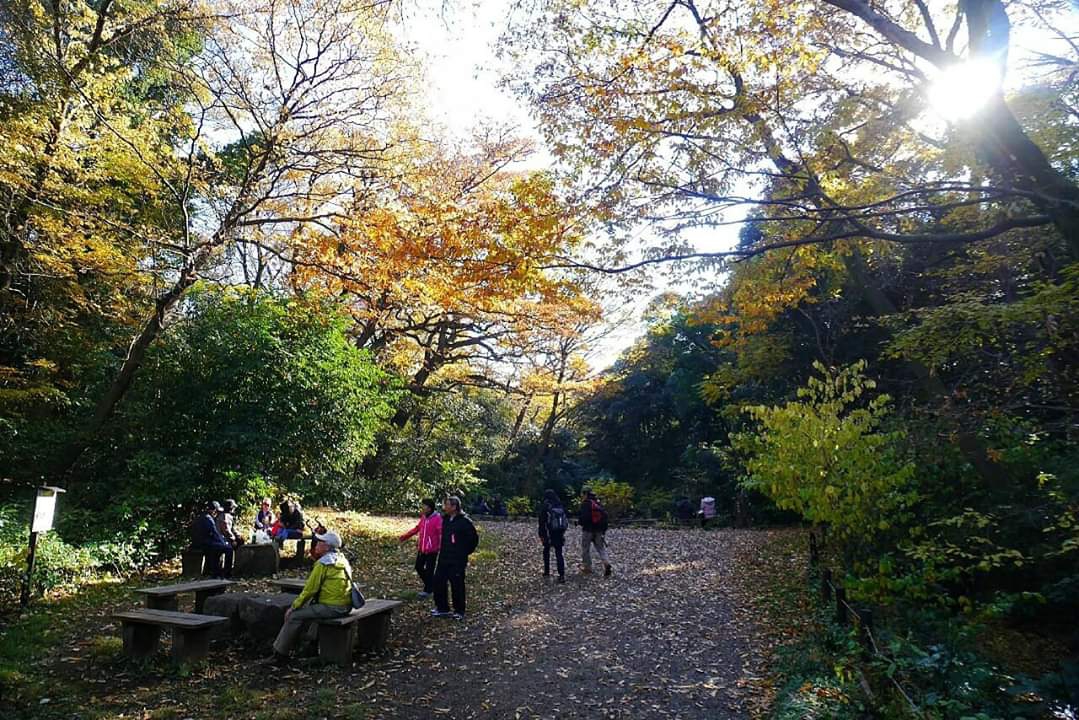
141, 631
368, 628
164, 597
251, 560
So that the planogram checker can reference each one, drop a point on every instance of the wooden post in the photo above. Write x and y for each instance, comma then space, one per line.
24, 599
841, 605
826, 585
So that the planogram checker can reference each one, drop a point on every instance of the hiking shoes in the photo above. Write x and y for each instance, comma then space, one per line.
561, 580
607, 571
458, 616
440, 613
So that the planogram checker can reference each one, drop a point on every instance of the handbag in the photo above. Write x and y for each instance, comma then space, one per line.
358, 600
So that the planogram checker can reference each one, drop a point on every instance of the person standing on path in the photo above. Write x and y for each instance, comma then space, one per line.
593, 521
459, 540
552, 533
428, 542
327, 594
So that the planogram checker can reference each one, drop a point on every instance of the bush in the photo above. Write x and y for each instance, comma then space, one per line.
520, 506
616, 497
657, 503
58, 564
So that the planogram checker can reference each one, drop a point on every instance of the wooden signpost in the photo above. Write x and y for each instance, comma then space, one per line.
44, 511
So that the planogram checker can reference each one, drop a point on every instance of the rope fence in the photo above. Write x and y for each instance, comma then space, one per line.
863, 617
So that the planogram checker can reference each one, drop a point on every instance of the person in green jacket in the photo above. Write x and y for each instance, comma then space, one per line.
326, 594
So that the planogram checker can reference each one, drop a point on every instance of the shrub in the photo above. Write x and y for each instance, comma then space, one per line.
520, 506
617, 497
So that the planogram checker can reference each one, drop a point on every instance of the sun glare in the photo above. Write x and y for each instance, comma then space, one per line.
963, 89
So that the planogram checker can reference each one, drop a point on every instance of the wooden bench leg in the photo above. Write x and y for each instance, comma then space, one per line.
201, 595
163, 602
140, 640
374, 632
190, 645
335, 643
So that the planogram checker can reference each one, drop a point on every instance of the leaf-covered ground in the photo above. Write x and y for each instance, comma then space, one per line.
677, 632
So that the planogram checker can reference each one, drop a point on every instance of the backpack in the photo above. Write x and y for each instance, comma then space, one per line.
556, 519
599, 515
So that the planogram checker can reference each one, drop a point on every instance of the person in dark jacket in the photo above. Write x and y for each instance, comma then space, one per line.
206, 538
459, 540
593, 521
291, 520
552, 533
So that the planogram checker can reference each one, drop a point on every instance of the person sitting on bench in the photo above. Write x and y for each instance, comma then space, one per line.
291, 520
226, 524
327, 594
206, 538
264, 520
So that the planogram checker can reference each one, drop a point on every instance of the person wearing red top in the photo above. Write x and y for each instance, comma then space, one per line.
428, 542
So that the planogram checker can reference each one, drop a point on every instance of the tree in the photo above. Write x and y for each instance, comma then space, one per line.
679, 111
289, 112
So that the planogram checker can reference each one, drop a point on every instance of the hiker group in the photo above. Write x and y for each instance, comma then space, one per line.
444, 542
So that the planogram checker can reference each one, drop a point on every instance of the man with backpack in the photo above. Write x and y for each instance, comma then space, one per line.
552, 533
459, 540
593, 521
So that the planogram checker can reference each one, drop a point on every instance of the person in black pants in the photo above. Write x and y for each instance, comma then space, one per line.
459, 540
552, 533
206, 537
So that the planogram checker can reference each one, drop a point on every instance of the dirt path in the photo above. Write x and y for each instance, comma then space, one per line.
670, 635
659, 639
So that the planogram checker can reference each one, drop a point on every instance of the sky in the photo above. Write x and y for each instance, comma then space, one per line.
457, 44
458, 48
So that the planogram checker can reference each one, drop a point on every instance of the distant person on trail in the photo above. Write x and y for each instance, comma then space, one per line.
428, 541
482, 508
264, 520
226, 524
593, 521
206, 538
291, 522
459, 540
683, 509
707, 513
552, 533
327, 594
498, 508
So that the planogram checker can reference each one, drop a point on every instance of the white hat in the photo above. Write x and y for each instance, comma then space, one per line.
331, 538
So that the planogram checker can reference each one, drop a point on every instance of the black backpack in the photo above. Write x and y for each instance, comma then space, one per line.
556, 518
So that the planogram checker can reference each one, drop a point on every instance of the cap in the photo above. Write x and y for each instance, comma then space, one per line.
213, 505
331, 538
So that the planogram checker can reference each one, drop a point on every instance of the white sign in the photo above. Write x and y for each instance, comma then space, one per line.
44, 508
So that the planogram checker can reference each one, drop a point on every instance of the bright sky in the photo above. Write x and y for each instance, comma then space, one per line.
456, 43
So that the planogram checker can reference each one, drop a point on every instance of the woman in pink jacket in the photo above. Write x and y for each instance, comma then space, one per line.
428, 543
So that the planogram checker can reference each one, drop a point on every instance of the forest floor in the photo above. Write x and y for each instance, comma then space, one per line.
684, 628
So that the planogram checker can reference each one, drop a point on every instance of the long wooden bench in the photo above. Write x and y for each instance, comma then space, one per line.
368, 627
289, 585
141, 631
164, 597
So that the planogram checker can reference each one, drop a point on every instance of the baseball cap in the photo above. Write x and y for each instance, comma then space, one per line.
330, 538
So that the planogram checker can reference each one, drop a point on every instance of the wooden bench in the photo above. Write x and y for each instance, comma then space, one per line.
369, 626
289, 585
141, 631
164, 597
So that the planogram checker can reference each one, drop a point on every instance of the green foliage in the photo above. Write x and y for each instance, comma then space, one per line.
520, 506
617, 497
246, 395
825, 457
656, 503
